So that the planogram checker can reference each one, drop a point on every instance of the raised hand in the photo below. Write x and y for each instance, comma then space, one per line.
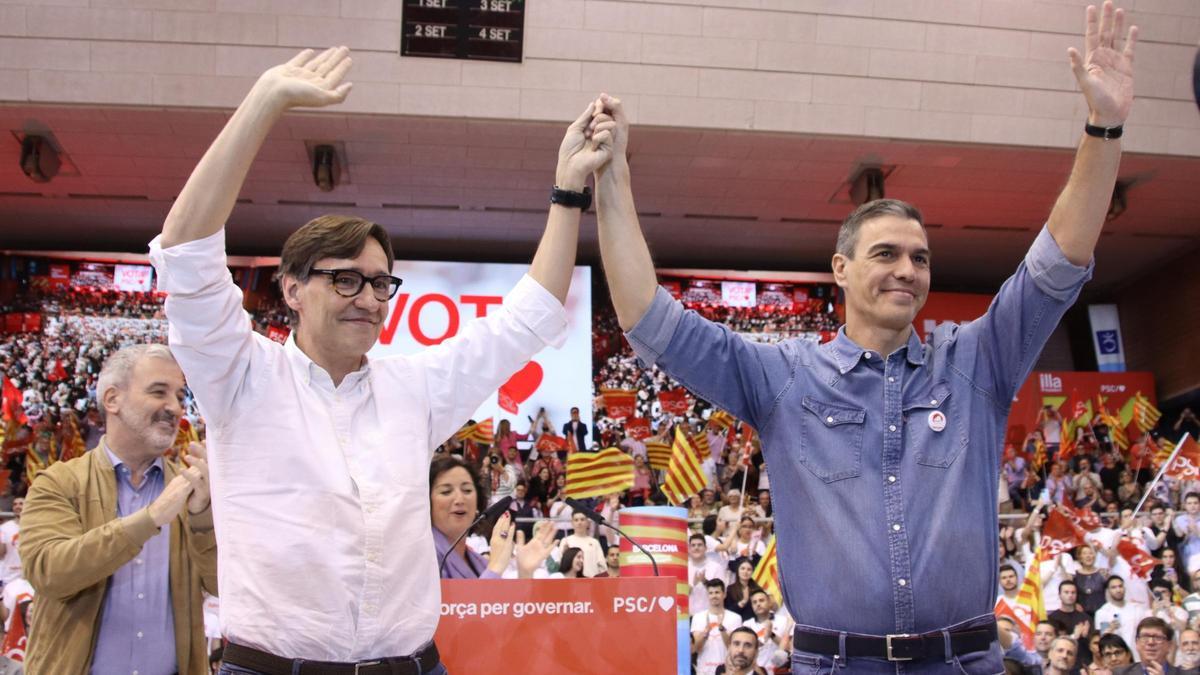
1104, 73
531, 554
612, 106
171, 501
501, 545
197, 474
586, 147
310, 79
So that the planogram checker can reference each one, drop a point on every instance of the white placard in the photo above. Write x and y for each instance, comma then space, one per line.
132, 277
438, 297
738, 293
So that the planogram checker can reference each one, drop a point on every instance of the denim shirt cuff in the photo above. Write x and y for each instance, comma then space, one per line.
653, 332
1051, 271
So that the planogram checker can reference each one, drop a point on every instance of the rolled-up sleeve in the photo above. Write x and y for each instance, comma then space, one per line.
1051, 271
539, 310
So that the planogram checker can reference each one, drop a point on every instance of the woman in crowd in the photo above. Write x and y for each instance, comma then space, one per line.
1128, 492
643, 482
1170, 570
506, 444
456, 497
571, 566
540, 486
1089, 579
737, 595
503, 476
582, 539
746, 542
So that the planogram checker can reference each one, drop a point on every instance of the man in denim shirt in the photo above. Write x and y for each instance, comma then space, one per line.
884, 451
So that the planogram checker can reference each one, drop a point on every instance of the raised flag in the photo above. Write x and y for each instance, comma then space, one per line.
701, 446
1139, 559
1085, 519
594, 474
685, 477
1003, 609
1145, 415
720, 419
766, 573
11, 403
620, 403
72, 444
637, 428
1039, 453
659, 454
17, 636
1059, 534
480, 432
1186, 465
674, 401
550, 443
37, 460
1029, 597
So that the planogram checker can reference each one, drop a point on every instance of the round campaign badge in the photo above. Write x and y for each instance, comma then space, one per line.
937, 420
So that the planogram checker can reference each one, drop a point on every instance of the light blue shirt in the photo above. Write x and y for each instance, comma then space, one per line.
137, 625
883, 468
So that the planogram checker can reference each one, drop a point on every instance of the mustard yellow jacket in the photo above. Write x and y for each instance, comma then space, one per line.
72, 541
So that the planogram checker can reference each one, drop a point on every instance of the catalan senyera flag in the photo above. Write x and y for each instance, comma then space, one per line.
1029, 597
1039, 453
1145, 415
480, 432
36, 461
593, 474
1186, 465
685, 477
700, 444
721, 420
72, 445
1116, 430
766, 574
659, 454
620, 403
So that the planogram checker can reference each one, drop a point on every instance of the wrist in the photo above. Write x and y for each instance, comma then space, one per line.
566, 179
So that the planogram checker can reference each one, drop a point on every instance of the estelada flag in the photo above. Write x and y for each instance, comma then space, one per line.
674, 401
620, 403
1059, 534
766, 573
685, 477
1186, 465
659, 454
594, 474
1139, 558
637, 428
549, 443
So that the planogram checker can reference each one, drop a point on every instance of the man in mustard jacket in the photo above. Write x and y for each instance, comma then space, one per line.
119, 543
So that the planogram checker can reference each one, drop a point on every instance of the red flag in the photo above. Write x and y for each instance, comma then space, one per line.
1138, 558
1004, 609
14, 641
637, 428
1086, 519
1059, 534
620, 403
12, 401
549, 443
674, 401
1186, 465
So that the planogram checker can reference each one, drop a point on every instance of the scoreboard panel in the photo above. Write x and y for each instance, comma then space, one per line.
486, 30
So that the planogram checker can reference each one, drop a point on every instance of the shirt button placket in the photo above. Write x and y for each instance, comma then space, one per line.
893, 500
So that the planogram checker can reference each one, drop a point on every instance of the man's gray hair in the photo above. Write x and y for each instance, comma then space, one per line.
848, 234
118, 368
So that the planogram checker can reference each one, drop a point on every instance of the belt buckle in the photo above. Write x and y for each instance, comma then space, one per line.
365, 664
888, 640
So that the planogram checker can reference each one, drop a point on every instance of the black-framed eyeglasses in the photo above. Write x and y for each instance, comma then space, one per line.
349, 283
1151, 637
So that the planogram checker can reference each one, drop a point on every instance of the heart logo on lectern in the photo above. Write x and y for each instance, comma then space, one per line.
666, 602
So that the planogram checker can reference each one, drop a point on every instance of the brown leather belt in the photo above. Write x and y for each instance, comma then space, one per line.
420, 663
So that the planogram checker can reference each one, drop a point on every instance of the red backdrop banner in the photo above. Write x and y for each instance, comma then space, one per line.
1053, 388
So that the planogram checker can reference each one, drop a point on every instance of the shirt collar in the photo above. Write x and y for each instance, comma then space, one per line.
313, 371
118, 463
847, 353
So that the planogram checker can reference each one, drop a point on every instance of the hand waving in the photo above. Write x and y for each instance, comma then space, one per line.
531, 554
1105, 74
310, 79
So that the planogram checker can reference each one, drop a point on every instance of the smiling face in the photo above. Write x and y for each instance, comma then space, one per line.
452, 502
150, 404
887, 279
334, 324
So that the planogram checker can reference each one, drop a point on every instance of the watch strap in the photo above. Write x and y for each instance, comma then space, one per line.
570, 198
1107, 133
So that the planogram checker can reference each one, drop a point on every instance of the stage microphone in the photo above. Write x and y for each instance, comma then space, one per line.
599, 520
493, 511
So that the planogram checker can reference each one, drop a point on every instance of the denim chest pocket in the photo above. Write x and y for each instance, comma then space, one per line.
934, 426
831, 439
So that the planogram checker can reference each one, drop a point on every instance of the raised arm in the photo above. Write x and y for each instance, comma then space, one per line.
1105, 74
309, 80
632, 281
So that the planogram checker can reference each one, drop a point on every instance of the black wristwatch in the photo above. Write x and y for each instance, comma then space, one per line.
572, 199
1107, 133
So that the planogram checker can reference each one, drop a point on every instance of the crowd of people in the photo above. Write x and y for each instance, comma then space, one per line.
1092, 595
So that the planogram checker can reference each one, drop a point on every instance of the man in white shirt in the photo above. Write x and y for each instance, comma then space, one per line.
9, 533
1119, 615
711, 629
702, 566
320, 455
774, 640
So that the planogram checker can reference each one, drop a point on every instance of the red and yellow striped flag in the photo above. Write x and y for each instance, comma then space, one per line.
720, 420
1145, 415
72, 445
1029, 597
684, 475
700, 444
659, 455
480, 432
766, 574
593, 474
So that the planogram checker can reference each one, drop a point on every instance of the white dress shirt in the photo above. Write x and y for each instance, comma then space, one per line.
321, 493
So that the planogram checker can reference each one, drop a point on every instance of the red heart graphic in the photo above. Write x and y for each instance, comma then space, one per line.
520, 386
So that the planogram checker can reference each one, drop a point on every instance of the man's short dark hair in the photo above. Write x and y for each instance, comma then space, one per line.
1008, 568
1190, 495
328, 236
695, 536
744, 629
709, 525
714, 583
1068, 582
848, 234
574, 408
1155, 622
758, 591
1113, 640
1111, 578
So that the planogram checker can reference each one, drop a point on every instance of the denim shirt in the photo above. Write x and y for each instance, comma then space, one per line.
883, 469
